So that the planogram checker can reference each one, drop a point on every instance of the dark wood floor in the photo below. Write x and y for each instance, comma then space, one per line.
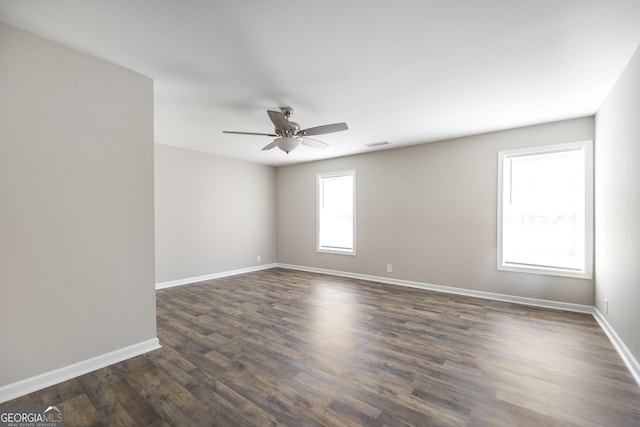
281, 347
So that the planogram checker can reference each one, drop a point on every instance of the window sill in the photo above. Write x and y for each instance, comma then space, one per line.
545, 271
336, 251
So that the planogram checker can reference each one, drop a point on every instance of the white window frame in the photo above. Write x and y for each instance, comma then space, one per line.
331, 250
587, 272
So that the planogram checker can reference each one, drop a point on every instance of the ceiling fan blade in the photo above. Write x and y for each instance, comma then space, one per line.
318, 130
270, 145
249, 133
309, 142
278, 119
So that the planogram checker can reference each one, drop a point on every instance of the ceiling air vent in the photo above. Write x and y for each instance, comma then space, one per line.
377, 144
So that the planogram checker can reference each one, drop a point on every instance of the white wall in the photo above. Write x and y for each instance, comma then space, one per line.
76, 207
429, 210
213, 214
617, 157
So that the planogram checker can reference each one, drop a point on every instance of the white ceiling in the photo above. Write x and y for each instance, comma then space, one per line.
406, 72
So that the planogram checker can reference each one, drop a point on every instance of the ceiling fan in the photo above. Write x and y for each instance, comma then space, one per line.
289, 135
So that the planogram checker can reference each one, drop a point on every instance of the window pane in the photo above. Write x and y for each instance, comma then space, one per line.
335, 212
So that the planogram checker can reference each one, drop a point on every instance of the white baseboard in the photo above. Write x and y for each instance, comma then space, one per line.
623, 350
38, 382
580, 308
190, 280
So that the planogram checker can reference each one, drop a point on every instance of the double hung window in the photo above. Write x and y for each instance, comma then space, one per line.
336, 212
545, 221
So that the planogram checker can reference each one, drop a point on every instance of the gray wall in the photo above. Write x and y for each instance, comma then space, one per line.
429, 210
617, 154
213, 214
76, 207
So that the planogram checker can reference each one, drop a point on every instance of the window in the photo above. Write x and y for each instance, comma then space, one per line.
336, 212
545, 221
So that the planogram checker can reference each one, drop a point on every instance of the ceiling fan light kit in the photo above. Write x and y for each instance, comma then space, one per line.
286, 143
289, 133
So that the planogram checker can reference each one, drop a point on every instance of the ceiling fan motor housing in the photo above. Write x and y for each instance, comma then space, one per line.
290, 129
287, 128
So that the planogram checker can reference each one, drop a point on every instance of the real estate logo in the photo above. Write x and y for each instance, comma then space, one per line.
31, 416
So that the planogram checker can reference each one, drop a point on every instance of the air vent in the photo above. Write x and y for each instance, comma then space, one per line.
377, 144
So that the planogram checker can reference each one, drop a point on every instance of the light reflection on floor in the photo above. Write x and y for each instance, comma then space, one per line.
525, 348
333, 323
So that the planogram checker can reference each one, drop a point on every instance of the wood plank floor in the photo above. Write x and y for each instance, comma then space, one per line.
282, 347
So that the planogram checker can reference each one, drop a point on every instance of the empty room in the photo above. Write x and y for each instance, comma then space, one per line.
251, 213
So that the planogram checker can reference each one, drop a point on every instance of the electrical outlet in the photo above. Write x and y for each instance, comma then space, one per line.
606, 305
389, 268
259, 258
